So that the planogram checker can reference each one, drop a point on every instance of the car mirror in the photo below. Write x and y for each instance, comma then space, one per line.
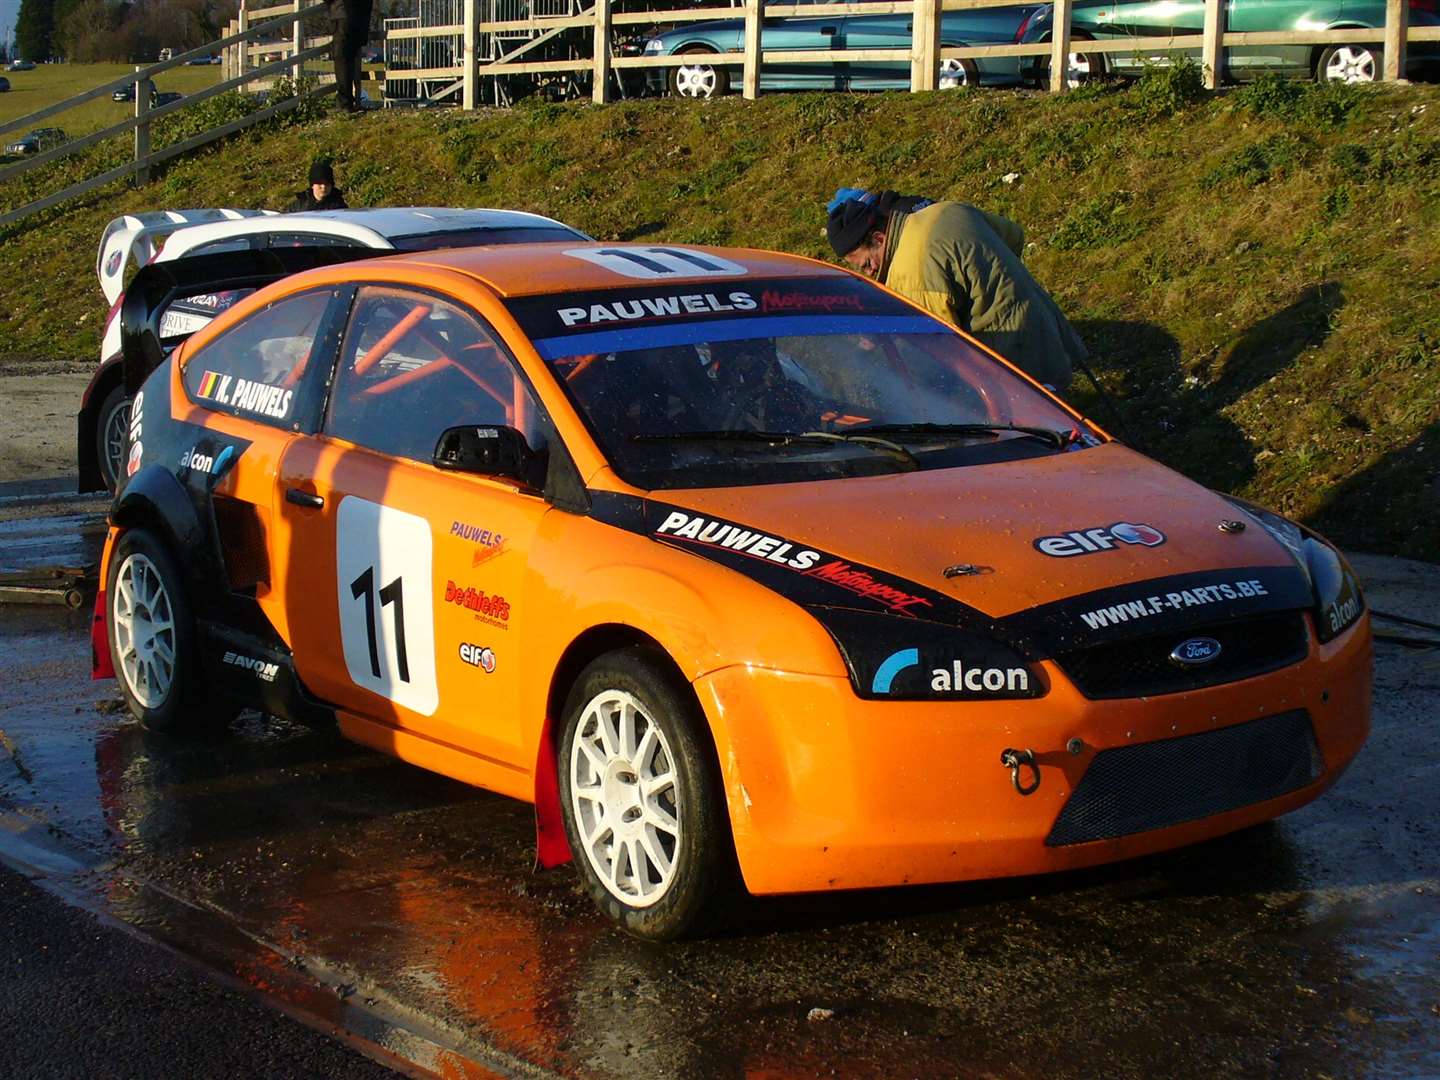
487, 451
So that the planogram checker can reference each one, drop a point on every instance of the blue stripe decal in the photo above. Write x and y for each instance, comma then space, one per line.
894, 664
765, 326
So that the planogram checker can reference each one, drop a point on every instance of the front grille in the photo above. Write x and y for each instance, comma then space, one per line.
1131, 789
1142, 666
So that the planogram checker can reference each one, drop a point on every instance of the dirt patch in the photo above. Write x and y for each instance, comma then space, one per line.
41, 396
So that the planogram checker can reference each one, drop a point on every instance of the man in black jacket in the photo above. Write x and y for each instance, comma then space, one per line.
323, 194
352, 31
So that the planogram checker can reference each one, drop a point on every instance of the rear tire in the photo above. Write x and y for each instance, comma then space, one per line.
954, 74
110, 424
703, 81
153, 643
642, 798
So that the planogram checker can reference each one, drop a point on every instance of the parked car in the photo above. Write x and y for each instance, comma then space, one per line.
707, 78
157, 97
4, 84
202, 60
136, 240
675, 543
21, 65
1349, 62
165, 97
37, 141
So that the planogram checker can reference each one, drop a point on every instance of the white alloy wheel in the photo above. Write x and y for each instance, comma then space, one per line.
953, 73
1078, 69
1350, 64
144, 622
112, 441
625, 798
696, 81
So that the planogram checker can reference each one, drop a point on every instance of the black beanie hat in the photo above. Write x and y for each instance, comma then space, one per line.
849, 224
322, 173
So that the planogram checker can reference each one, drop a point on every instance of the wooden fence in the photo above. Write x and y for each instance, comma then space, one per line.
260, 24
924, 54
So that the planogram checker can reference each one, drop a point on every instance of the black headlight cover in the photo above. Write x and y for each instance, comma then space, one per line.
893, 659
1338, 599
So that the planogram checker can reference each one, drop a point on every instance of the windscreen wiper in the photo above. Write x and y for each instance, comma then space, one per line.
785, 438
1053, 436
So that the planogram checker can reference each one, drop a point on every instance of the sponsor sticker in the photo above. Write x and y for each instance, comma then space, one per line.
246, 395
722, 534
1100, 538
955, 677
1194, 596
262, 670
137, 425
489, 608
649, 308
478, 656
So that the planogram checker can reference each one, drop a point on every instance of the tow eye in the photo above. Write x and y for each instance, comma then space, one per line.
1015, 760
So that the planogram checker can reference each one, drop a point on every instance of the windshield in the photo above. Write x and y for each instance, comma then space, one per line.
510, 234
784, 380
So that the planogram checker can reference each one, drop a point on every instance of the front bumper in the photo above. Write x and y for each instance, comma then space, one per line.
827, 791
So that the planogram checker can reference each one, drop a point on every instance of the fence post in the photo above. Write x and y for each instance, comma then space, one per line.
600, 87
924, 45
1397, 28
297, 46
242, 48
143, 89
467, 54
750, 80
1060, 47
1212, 46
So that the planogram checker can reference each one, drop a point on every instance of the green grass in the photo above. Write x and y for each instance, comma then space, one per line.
49, 83
1256, 273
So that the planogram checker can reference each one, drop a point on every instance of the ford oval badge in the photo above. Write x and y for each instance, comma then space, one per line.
1196, 650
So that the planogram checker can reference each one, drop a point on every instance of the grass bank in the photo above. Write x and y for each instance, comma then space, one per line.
1257, 273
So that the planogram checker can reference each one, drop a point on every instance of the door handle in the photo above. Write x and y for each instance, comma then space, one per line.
829, 31
306, 499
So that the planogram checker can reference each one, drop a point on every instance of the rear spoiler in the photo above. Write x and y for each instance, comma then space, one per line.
160, 284
137, 238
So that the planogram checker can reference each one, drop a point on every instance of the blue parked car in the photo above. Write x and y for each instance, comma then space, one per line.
707, 78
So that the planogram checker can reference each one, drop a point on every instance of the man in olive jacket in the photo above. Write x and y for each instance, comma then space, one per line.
962, 264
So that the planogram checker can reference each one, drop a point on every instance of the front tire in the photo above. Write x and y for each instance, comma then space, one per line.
153, 644
703, 81
957, 73
110, 424
642, 798
1348, 64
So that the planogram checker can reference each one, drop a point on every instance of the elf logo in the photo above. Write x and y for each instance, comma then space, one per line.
1101, 538
478, 656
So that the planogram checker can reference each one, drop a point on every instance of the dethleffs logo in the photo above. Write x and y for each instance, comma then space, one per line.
1100, 538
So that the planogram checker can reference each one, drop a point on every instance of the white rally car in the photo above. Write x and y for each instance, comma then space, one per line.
136, 240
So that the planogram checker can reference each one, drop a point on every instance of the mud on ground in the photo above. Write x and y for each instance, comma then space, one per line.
39, 398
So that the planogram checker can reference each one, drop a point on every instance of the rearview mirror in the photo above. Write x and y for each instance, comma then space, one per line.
486, 451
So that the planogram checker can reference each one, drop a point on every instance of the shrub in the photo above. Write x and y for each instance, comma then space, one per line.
1165, 89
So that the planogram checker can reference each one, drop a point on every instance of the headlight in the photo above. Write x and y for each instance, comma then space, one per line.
894, 659
653, 46
1338, 599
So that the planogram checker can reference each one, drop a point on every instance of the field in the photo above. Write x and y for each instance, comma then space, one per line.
1255, 271
49, 83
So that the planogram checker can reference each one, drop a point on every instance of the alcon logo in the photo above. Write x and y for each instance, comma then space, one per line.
1100, 538
955, 678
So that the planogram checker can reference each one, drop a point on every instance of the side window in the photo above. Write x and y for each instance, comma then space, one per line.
255, 368
413, 365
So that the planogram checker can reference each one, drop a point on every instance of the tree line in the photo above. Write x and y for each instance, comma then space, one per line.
128, 31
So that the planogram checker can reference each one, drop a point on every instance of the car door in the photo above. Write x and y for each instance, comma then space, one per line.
800, 33
408, 584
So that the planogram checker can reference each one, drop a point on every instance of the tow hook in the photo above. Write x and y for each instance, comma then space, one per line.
1015, 760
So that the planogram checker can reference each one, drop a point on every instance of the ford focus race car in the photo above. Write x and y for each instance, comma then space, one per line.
743, 570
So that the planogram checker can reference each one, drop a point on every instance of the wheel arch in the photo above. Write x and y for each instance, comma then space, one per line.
153, 498
551, 846
1317, 51
110, 374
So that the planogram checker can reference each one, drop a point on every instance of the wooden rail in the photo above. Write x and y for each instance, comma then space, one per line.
924, 53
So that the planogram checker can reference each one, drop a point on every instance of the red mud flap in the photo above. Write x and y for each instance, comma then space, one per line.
551, 846
100, 665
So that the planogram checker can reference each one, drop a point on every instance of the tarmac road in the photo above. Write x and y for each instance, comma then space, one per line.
403, 909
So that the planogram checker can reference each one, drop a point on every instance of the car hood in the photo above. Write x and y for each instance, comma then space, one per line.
997, 518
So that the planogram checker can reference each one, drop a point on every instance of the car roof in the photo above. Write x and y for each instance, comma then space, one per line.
540, 269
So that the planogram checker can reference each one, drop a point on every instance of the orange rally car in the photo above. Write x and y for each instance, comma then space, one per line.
742, 569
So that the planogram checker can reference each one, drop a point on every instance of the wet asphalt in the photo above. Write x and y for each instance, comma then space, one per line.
403, 909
